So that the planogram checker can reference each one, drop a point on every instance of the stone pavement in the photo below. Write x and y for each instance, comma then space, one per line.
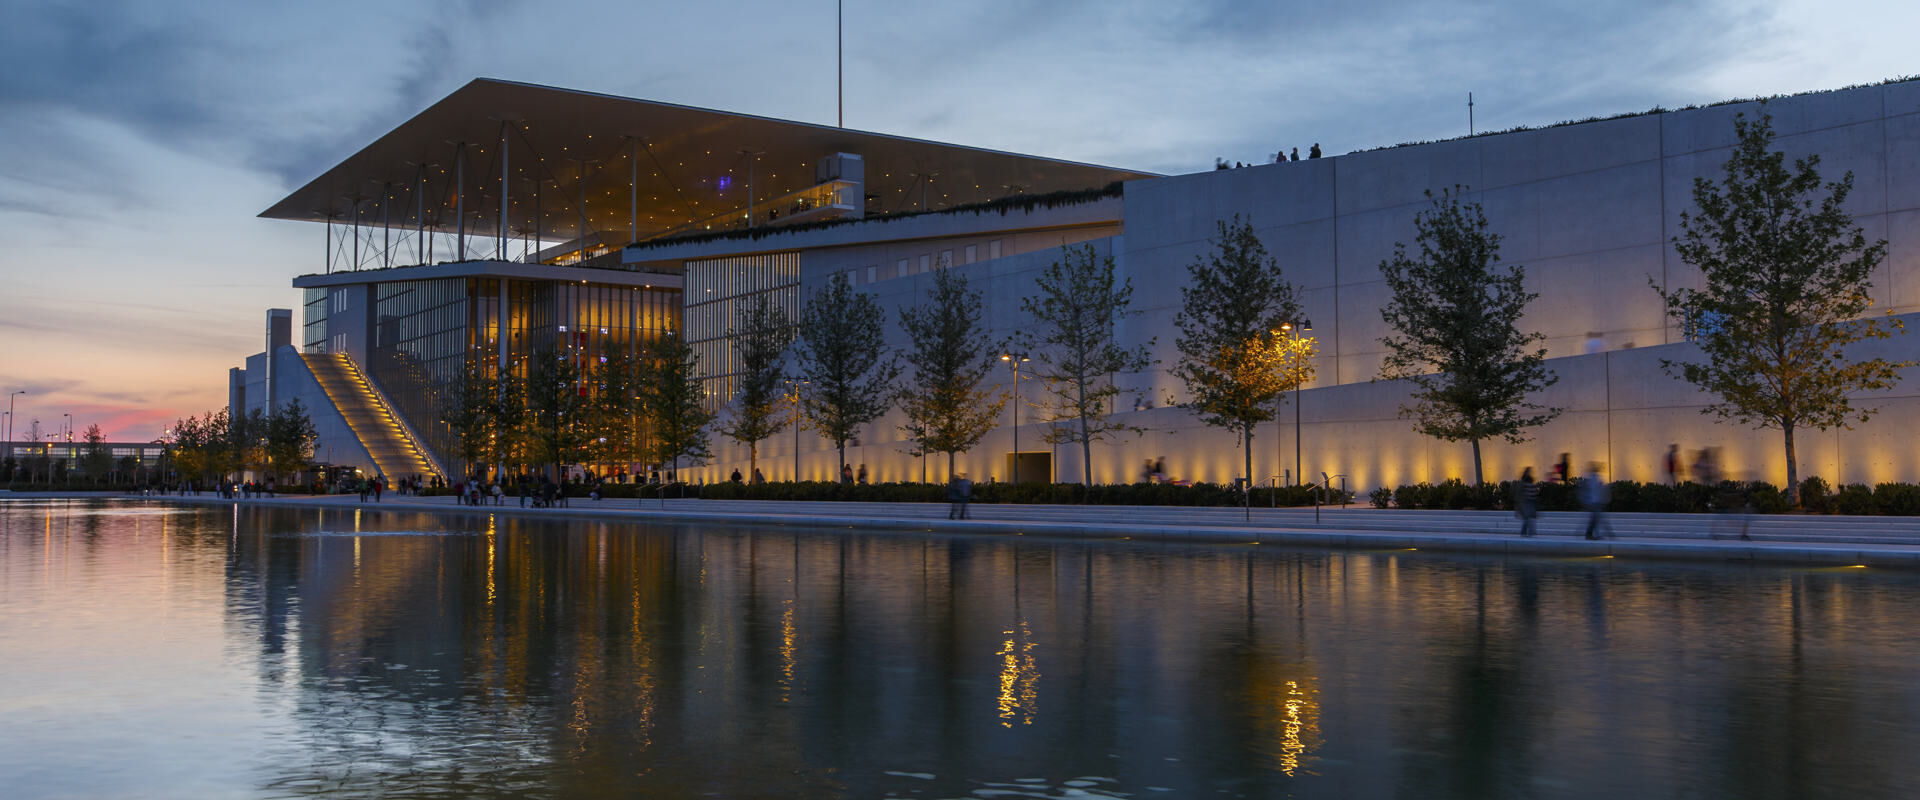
1792, 539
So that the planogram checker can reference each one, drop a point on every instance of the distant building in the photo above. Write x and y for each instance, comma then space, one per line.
622, 219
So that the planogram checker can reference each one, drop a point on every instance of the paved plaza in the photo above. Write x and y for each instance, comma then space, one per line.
1789, 539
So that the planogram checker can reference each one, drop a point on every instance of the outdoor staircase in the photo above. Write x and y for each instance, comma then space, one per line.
395, 451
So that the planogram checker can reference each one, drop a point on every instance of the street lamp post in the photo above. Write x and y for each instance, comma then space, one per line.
1014, 360
1288, 327
10, 399
793, 393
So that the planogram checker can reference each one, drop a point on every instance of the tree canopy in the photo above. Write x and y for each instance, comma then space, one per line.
1455, 312
1230, 323
843, 356
947, 406
1787, 278
1076, 305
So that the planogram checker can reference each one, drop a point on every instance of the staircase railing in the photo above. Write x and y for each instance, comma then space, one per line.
413, 438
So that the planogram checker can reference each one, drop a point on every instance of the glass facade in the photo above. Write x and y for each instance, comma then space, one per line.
425, 331
313, 317
718, 290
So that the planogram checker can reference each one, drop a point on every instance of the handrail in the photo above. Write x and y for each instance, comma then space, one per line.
413, 438
1274, 484
641, 496
1328, 479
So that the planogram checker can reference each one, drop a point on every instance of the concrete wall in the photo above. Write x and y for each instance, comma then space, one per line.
1589, 210
335, 443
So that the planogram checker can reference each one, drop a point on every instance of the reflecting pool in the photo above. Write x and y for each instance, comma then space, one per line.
159, 651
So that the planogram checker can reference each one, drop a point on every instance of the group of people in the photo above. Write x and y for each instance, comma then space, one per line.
1281, 157
542, 492
247, 489
1593, 493
1154, 470
758, 476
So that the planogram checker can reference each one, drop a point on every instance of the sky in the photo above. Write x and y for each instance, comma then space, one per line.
139, 140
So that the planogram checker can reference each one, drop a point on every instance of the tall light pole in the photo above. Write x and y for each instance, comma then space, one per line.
793, 393
1014, 360
1288, 328
10, 399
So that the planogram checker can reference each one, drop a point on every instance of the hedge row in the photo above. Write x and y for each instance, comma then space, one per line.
1141, 494
1888, 499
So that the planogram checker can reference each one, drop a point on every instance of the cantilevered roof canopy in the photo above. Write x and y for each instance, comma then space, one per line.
689, 162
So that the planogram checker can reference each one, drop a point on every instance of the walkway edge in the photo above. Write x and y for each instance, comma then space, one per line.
1478, 544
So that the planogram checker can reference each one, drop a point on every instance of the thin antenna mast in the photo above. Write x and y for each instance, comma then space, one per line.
840, 59
1469, 113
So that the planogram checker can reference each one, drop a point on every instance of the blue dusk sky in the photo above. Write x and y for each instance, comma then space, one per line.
138, 140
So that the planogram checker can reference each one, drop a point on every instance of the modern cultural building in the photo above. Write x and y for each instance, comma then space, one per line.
509, 217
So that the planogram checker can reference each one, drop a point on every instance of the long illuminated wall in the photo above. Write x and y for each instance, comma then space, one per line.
1590, 211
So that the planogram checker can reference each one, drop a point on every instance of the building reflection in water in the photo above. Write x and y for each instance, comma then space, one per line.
502, 656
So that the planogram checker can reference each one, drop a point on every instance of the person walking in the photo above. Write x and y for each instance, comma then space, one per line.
1594, 496
846, 473
1526, 502
959, 492
1673, 465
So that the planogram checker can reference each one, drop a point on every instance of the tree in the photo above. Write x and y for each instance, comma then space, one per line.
256, 431
760, 340
671, 395
97, 462
947, 409
615, 407
1455, 313
1787, 279
842, 354
468, 408
289, 438
1073, 345
240, 447
1230, 318
553, 422
508, 420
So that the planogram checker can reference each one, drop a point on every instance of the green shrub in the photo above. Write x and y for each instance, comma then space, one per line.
1897, 499
1815, 495
1767, 499
1381, 497
1854, 498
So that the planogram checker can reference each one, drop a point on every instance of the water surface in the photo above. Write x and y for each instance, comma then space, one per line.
156, 651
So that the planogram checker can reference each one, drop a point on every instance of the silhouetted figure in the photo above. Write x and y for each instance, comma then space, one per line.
862, 477
1673, 465
1594, 496
1314, 151
846, 473
758, 476
735, 477
959, 493
1563, 469
1526, 502
1296, 154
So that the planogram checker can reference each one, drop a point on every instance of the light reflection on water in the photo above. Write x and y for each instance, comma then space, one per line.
284, 653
